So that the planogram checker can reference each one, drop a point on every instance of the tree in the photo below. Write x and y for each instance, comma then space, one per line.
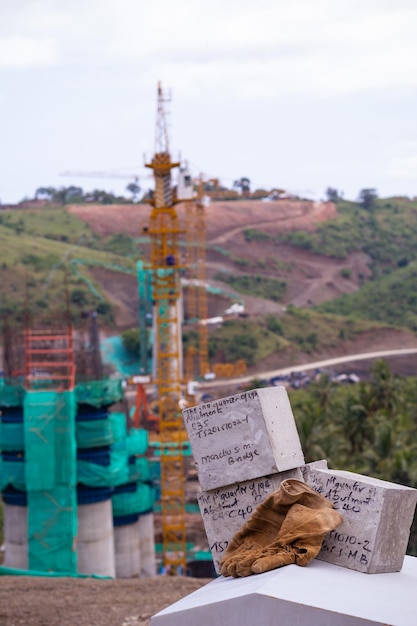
244, 185
130, 339
134, 189
46, 192
333, 195
73, 194
367, 198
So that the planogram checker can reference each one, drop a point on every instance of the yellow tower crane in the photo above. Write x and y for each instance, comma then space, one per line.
165, 263
196, 264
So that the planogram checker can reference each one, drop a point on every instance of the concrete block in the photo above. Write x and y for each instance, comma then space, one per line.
320, 594
248, 435
377, 517
224, 510
322, 464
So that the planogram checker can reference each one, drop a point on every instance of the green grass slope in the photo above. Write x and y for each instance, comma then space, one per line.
46, 251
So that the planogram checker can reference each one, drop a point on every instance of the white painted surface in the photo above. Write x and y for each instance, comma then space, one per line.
320, 594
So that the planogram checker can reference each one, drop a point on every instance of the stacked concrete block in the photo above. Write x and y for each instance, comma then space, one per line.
225, 509
248, 435
377, 517
243, 446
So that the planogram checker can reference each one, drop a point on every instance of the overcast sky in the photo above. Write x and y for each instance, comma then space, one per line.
297, 94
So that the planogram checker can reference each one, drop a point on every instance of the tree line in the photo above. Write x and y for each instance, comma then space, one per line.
369, 428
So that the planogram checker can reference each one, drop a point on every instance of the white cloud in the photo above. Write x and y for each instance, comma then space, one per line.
403, 163
291, 73
269, 47
26, 52
262, 49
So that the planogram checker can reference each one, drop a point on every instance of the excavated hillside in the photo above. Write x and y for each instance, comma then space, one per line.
310, 278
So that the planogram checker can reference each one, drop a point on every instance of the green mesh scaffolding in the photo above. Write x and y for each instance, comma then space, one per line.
137, 441
12, 472
119, 428
99, 393
96, 475
11, 436
10, 395
39, 438
139, 470
50, 470
94, 433
139, 501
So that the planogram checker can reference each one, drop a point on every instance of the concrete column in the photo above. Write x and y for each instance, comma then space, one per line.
95, 545
16, 536
126, 550
147, 546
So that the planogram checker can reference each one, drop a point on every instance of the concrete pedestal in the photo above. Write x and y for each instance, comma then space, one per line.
147, 545
126, 550
321, 594
95, 539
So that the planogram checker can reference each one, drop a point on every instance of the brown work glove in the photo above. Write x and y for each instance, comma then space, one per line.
288, 527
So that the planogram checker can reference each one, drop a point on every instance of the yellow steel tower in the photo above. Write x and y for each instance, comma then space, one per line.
165, 262
197, 294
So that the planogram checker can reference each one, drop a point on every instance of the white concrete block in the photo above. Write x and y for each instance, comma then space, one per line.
305, 469
320, 594
248, 435
377, 516
225, 509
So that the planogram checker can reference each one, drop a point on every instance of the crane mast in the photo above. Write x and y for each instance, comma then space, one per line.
165, 262
197, 295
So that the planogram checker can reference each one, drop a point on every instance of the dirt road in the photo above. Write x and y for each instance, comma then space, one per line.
41, 601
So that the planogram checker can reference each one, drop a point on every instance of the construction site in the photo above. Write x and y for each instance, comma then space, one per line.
113, 508
84, 472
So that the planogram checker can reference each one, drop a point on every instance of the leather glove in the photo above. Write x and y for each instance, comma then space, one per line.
288, 527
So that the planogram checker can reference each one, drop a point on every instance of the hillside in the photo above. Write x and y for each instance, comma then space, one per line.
264, 254
245, 238
311, 278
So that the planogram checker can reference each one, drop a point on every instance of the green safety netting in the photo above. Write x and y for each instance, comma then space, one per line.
10, 395
50, 450
139, 470
118, 426
47, 466
114, 353
11, 436
12, 472
50, 472
119, 470
52, 520
155, 469
93, 433
96, 475
137, 441
99, 393
139, 501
